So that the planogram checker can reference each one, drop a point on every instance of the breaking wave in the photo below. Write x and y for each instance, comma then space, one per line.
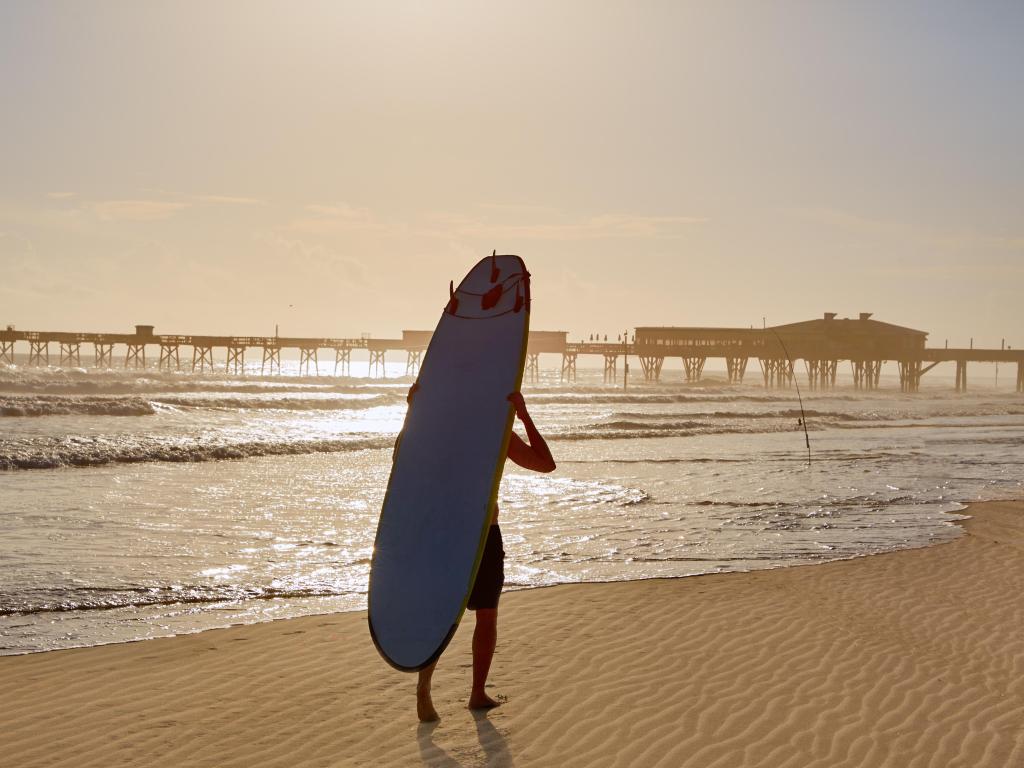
109, 598
311, 403
58, 405
83, 406
54, 453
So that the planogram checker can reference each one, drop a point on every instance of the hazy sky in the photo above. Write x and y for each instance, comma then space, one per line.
203, 166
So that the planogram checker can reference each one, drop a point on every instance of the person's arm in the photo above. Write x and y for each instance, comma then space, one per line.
535, 455
408, 399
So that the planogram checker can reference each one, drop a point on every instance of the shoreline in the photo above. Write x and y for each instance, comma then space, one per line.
959, 513
908, 657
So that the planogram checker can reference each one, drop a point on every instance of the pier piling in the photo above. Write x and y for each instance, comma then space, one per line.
910, 375
69, 354
377, 363
235, 362
38, 351
103, 354
412, 362
693, 367
342, 361
611, 360
735, 368
169, 353
961, 375
651, 366
307, 356
569, 366
202, 355
272, 358
135, 356
532, 372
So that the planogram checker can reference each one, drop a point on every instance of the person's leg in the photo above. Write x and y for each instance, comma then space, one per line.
424, 704
485, 639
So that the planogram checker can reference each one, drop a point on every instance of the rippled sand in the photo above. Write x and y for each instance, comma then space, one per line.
912, 658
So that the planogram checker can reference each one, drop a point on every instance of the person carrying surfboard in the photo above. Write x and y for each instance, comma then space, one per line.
436, 552
534, 455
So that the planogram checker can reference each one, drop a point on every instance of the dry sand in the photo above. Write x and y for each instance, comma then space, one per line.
914, 658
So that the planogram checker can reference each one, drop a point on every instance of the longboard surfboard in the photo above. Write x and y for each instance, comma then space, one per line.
447, 465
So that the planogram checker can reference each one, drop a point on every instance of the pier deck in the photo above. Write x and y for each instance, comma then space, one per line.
820, 344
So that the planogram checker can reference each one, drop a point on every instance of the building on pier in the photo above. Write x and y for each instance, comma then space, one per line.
820, 345
864, 342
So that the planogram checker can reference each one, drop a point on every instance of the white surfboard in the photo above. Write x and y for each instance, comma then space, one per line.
448, 465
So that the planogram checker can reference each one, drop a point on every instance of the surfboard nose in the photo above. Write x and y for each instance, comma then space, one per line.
497, 285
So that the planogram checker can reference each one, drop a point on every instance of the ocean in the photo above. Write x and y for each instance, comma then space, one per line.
138, 504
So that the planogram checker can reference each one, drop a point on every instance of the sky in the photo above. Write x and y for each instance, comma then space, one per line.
328, 167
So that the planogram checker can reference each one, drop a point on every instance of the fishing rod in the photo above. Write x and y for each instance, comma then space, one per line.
803, 415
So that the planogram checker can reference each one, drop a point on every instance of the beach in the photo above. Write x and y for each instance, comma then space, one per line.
908, 658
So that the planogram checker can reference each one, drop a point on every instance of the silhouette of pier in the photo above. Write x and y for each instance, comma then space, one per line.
170, 357
821, 345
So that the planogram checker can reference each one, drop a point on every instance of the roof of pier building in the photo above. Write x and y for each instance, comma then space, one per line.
831, 325
826, 338
849, 338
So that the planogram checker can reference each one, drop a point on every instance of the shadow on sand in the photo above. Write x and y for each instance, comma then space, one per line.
494, 745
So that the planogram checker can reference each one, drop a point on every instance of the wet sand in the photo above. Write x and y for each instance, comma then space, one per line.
912, 658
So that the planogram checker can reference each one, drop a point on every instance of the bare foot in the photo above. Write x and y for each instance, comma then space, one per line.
480, 700
425, 707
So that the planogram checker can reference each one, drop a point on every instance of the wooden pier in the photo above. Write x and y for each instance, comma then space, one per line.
820, 345
171, 357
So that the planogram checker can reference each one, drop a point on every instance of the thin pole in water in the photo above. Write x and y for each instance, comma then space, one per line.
625, 361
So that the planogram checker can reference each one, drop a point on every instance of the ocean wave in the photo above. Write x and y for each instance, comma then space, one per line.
63, 405
111, 598
661, 426
819, 507
316, 403
638, 431
787, 413
55, 453
602, 397
69, 383
643, 497
72, 406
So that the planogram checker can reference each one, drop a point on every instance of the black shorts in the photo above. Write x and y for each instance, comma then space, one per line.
491, 576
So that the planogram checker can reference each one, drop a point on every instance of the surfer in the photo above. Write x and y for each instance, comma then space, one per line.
490, 578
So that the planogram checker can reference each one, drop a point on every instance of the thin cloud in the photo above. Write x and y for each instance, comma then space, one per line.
229, 200
980, 242
593, 228
60, 195
336, 217
894, 230
313, 259
136, 210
